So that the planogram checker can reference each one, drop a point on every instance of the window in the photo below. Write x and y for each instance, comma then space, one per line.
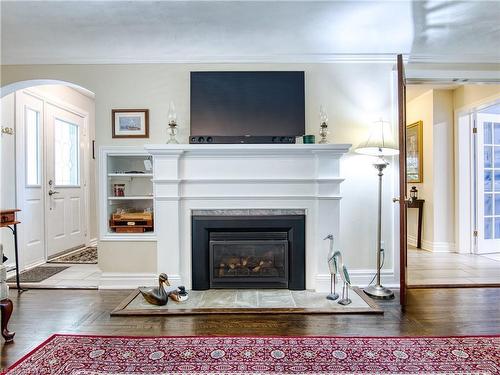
66, 153
33, 152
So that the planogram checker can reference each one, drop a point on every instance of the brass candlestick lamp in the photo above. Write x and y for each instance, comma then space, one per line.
323, 130
172, 124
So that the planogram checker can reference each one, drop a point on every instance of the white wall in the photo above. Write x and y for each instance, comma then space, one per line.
354, 94
435, 109
443, 162
421, 109
7, 172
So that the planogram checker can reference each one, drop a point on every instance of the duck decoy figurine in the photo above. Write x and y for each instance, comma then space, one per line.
179, 295
333, 266
157, 295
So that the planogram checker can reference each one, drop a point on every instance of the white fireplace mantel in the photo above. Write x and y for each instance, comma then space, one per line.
245, 176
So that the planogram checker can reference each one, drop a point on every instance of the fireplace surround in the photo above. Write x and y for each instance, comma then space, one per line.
248, 252
201, 180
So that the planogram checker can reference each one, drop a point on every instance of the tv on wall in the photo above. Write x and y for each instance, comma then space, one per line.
260, 107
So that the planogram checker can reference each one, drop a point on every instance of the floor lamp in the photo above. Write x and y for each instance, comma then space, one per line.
380, 143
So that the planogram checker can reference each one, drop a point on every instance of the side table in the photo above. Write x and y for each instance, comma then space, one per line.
419, 204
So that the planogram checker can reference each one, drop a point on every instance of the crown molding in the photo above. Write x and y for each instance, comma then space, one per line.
306, 58
383, 58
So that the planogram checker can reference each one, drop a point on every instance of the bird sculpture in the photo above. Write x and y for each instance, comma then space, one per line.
179, 295
333, 266
344, 275
157, 295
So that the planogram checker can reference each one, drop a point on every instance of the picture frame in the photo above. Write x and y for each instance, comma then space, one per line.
130, 123
414, 153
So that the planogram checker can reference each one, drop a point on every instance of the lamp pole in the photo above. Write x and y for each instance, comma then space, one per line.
378, 291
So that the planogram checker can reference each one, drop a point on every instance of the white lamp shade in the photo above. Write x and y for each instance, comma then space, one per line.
380, 142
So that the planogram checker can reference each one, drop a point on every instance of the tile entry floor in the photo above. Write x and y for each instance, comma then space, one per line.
428, 268
84, 276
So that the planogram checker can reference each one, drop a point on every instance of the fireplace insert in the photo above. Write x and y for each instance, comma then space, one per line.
248, 252
248, 259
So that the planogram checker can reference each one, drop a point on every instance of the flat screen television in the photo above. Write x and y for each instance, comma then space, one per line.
247, 104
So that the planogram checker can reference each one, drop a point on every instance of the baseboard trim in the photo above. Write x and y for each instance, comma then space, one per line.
360, 278
435, 247
93, 242
443, 247
123, 280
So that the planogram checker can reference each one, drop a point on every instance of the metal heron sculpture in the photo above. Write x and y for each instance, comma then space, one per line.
344, 275
333, 266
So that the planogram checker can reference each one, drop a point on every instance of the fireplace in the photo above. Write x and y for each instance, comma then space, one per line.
246, 259
248, 252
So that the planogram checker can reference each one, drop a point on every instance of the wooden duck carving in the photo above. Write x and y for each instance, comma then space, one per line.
157, 295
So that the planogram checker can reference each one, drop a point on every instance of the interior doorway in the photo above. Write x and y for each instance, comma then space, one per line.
451, 185
487, 181
52, 169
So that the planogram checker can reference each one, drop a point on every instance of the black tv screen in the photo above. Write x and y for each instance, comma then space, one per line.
247, 103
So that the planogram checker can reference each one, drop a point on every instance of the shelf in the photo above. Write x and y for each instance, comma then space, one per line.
114, 163
132, 197
130, 175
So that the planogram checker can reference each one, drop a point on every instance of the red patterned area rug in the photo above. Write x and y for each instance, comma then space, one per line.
97, 355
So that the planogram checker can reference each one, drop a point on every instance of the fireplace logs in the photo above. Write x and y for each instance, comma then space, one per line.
247, 266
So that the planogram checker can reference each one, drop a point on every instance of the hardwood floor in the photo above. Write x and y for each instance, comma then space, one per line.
40, 313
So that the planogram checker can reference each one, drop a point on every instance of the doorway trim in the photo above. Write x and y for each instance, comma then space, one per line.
465, 181
85, 158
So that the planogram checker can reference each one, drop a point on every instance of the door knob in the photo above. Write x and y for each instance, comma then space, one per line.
52, 192
407, 200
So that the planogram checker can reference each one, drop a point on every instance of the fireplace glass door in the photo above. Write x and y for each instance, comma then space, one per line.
248, 260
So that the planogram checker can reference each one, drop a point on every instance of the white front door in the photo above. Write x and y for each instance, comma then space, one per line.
65, 207
30, 176
488, 180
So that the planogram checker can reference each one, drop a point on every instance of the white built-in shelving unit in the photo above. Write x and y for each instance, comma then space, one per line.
124, 165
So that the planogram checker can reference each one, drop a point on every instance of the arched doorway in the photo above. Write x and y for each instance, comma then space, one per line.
48, 166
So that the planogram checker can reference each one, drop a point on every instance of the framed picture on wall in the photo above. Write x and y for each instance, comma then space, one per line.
130, 123
414, 152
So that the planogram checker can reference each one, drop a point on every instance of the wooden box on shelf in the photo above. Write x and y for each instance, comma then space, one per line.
8, 216
132, 222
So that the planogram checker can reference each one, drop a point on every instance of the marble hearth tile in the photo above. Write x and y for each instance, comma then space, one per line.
218, 298
275, 298
308, 299
246, 298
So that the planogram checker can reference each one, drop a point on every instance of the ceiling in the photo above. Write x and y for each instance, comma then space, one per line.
72, 32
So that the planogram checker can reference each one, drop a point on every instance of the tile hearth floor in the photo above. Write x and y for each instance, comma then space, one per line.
251, 299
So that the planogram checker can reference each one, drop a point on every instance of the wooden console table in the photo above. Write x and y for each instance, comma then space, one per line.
8, 220
418, 203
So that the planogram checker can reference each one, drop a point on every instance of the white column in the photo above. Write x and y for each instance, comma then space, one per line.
167, 213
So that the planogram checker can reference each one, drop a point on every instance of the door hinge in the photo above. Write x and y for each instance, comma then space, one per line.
474, 130
475, 233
